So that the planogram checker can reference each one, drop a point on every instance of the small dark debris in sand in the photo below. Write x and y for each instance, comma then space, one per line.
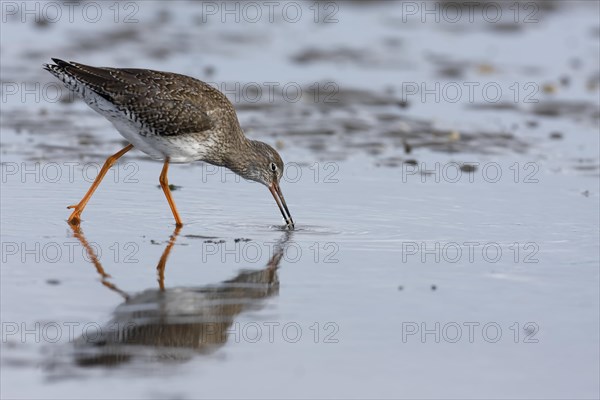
468, 168
67, 98
343, 54
411, 162
242, 240
452, 71
388, 117
501, 105
159, 53
400, 288
586, 164
42, 22
209, 71
355, 125
565, 108
85, 139
163, 16
215, 241
586, 193
171, 187
485, 69
433, 287
532, 124
549, 88
390, 162
392, 41
191, 236
52, 281
152, 241
556, 135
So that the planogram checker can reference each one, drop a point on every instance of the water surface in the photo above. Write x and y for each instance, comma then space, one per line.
443, 249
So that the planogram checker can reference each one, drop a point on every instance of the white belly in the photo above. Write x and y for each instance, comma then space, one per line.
179, 149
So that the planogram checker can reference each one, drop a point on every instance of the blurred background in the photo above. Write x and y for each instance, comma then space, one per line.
442, 166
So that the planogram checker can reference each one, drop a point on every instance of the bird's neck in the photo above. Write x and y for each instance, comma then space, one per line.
242, 161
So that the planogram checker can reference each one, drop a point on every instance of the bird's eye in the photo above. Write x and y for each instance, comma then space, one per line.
273, 167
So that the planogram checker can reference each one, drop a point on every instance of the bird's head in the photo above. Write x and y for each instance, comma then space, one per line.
261, 163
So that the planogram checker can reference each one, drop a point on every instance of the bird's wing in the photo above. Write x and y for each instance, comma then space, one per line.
169, 104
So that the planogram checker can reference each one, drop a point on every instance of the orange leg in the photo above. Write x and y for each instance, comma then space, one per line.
164, 183
75, 217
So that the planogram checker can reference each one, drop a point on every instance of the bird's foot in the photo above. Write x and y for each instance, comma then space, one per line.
75, 217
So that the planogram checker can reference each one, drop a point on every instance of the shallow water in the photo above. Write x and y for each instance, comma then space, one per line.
442, 249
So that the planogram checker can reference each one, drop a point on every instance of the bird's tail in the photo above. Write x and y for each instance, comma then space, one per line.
63, 71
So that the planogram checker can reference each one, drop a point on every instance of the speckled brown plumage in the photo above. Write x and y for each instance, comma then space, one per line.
163, 104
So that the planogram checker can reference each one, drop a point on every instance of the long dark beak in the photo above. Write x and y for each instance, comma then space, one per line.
278, 196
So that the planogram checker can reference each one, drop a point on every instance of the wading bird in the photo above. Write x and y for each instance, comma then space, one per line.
173, 118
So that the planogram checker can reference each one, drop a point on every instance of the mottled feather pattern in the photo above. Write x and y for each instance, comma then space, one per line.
166, 103
179, 109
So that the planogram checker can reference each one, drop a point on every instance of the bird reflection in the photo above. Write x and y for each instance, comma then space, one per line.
173, 324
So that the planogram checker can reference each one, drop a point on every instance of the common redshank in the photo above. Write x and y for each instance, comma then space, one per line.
173, 118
